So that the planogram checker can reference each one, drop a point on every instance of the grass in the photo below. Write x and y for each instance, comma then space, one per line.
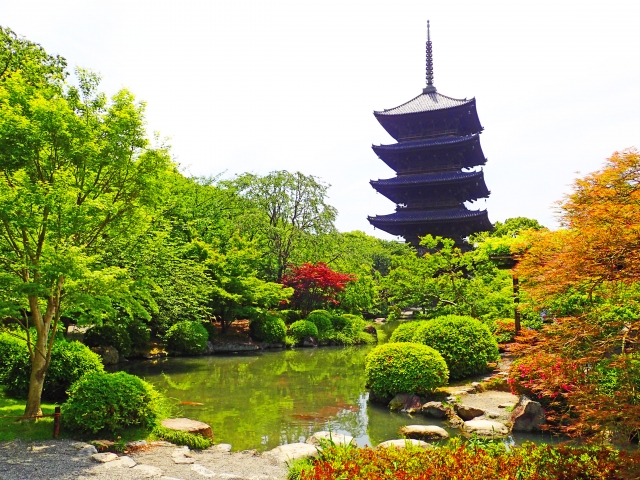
11, 428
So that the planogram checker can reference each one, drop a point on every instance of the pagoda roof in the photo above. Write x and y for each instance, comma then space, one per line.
427, 178
429, 216
425, 102
428, 142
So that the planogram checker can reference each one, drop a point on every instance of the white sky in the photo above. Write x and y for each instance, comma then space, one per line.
267, 85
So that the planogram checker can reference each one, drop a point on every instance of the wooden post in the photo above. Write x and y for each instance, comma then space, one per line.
56, 423
516, 302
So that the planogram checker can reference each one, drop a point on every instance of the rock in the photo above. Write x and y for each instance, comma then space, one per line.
102, 445
88, 450
493, 415
485, 428
527, 416
468, 413
121, 462
293, 451
136, 444
231, 347
507, 405
477, 387
317, 438
188, 425
435, 410
455, 421
221, 447
104, 457
205, 472
380, 321
182, 456
404, 442
147, 471
423, 432
406, 402
371, 330
109, 355
79, 445
209, 348
309, 342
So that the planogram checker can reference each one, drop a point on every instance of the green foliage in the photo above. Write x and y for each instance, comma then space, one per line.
110, 402
339, 322
191, 440
504, 330
268, 328
321, 319
139, 333
212, 330
69, 362
10, 349
109, 336
395, 368
290, 316
303, 328
187, 338
405, 331
465, 343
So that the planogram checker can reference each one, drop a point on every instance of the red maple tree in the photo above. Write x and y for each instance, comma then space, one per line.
315, 285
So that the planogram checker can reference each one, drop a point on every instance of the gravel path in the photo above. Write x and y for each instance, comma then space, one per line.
66, 459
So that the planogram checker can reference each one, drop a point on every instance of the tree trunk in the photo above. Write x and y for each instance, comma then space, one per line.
36, 380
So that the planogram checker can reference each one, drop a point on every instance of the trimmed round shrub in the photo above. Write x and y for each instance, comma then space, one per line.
187, 338
405, 331
268, 328
69, 362
395, 368
302, 329
11, 348
290, 316
139, 334
109, 336
321, 319
466, 344
110, 402
340, 321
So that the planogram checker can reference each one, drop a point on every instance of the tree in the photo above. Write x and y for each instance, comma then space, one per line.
286, 210
315, 286
77, 173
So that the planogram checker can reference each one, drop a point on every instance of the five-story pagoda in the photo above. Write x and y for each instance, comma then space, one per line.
436, 161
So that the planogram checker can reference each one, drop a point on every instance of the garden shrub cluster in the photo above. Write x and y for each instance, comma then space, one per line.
268, 328
394, 368
110, 402
471, 461
303, 328
187, 338
405, 331
290, 316
69, 362
109, 336
139, 333
321, 319
10, 348
466, 344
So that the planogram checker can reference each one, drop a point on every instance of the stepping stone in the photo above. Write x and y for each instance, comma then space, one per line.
424, 432
122, 462
434, 409
188, 425
104, 457
221, 447
404, 442
320, 437
468, 413
293, 451
205, 472
137, 444
88, 450
147, 471
485, 428
182, 455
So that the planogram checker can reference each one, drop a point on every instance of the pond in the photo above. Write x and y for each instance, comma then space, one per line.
263, 400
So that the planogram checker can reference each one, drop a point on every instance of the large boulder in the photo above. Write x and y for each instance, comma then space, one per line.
424, 432
320, 437
406, 402
371, 330
293, 451
435, 410
188, 425
109, 355
485, 428
468, 413
527, 416
404, 442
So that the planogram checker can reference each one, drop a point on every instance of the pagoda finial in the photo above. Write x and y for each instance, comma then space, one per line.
430, 87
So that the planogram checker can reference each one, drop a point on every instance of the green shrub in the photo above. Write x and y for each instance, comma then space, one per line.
268, 328
340, 321
11, 348
139, 334
302, 329
211, 329
405, 331
395, 368
290, 316
110, 402
187, 338
465, 343
191, 440
109, 336
321, 319
69, 362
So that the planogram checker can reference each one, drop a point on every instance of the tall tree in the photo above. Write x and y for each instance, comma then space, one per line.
77, 173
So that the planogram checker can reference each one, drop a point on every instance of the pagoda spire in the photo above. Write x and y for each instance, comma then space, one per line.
430, 87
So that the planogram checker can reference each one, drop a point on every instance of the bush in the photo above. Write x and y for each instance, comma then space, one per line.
109, 336
290, 316
268, 328
504, 330
321, 319
466, 344
302, 329
191, 440
109, 402
405, 331
139, 334
69, 362
187, 338
211, 329
11, 348
395, 368
340, 321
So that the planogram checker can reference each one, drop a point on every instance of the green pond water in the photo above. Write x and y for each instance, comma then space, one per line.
263, 400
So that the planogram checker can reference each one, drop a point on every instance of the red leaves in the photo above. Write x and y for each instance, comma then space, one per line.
315, 285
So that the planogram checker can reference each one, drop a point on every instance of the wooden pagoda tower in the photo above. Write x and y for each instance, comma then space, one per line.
436, 160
